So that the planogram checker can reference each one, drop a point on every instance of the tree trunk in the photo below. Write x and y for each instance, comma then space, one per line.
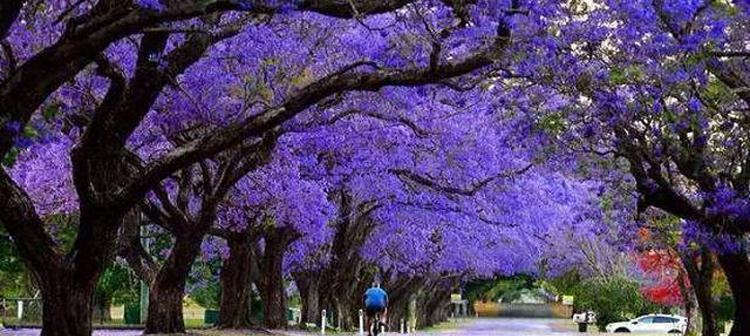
690, 304
737, 269
66, 307
168, 290
345, 313
309, 289
234, 312
701, 279
101, 311
273, 294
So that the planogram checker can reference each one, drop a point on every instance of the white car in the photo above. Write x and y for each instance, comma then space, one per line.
653, 323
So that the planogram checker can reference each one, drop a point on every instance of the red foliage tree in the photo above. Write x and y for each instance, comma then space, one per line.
664, 267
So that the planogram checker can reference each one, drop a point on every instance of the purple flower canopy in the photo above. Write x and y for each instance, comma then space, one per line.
445, 166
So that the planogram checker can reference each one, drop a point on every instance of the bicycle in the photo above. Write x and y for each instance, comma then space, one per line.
375, 331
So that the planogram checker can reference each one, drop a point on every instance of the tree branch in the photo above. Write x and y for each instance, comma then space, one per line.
9, 10
9, 57
131, 249
303, 99
464, 191
352, 8
19, 217
91, 33
420, 132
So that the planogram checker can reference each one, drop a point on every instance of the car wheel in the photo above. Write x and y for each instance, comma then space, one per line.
674, 331
622, 330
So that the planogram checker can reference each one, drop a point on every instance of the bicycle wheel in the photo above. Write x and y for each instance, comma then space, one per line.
376, 325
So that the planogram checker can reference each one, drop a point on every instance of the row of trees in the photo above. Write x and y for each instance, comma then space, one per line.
279, 128
430, 139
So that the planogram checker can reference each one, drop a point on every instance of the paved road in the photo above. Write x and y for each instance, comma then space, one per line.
506, 327
472, 327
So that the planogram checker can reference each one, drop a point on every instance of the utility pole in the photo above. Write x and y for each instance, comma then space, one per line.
144, 285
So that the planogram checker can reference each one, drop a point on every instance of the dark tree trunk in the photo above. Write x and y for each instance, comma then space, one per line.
68, 291
66, 307
432, 302
345, 310
345, 278
737, 269
690, 303
701, 279
309, 289
234, 312
399, 292
102, 313
273, 293
168, 289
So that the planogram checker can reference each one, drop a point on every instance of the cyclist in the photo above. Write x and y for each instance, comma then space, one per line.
376, 302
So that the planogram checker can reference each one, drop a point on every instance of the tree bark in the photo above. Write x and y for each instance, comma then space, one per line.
102, 313
234, 310
690, 304
66, 306
737, 269
168, 289
309, 289
273, 293
701, 279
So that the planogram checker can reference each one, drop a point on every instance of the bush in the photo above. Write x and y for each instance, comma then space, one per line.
724, 309
613, 299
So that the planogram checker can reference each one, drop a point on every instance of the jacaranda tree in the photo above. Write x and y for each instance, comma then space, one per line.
135, 54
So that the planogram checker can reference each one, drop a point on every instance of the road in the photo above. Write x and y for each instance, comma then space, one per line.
473, 327
505, 327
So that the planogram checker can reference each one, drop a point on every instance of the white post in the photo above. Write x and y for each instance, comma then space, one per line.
19, 311
323, 322
401, 325
361, 322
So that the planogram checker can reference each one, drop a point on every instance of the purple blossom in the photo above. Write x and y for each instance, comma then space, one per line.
153, 5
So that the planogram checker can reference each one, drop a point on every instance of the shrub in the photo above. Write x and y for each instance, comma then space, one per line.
613, 299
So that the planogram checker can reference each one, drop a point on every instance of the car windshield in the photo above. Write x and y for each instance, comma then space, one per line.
663, 319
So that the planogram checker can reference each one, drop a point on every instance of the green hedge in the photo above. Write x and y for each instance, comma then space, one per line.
613, 299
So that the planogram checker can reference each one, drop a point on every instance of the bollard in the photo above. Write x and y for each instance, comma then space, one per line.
401, 324
323, 322
361, 322
19, 312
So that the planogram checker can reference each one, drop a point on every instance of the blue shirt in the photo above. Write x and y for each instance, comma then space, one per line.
376, 298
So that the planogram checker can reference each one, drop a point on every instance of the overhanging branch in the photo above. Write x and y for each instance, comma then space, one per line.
470, 190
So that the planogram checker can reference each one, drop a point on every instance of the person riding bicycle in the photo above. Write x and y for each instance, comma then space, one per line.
376, 302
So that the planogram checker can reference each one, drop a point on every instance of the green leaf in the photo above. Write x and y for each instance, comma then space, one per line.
51, 111
30, 132
10, 158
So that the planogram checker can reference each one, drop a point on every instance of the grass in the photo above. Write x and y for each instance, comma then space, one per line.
448, 325
115, 323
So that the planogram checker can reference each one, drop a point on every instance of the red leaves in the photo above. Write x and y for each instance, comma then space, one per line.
665, 269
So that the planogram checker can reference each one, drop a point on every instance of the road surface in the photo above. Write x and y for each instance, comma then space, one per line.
473, 327
506, 327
